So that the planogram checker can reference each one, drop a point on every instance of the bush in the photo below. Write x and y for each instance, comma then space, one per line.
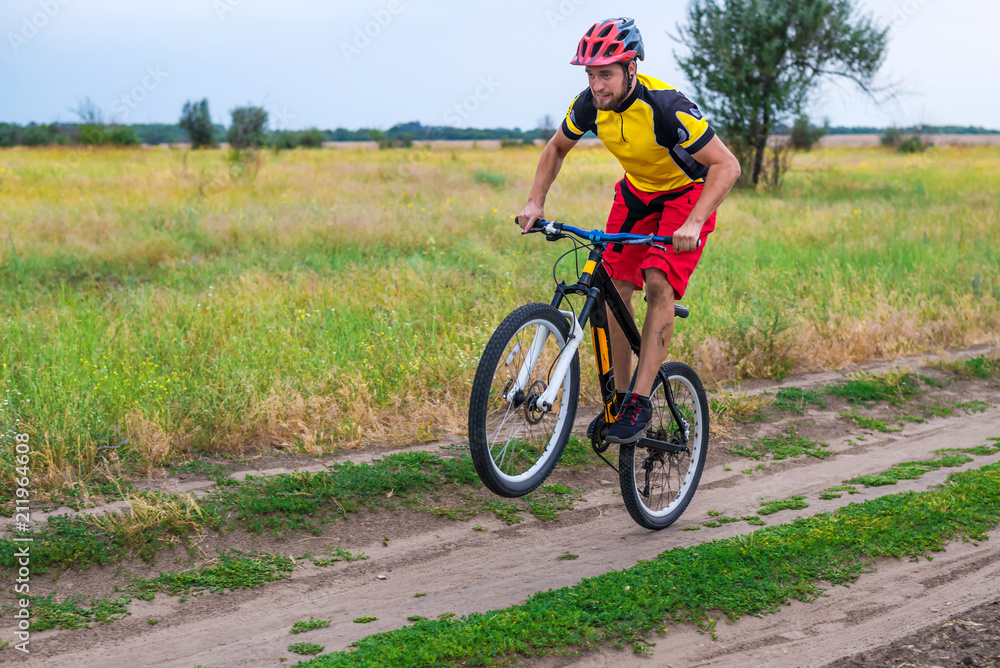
93, 134
10, 134
804, 134
312, 138
197, 122
284, 140
892, 137
247, 130
36, 135
912, 144
123, 135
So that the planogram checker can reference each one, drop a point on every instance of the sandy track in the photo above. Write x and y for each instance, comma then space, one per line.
463, 571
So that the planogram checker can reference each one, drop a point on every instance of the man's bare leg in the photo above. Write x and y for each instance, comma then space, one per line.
656, 330
621, 351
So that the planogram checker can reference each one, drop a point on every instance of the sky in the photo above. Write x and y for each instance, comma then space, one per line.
375, 63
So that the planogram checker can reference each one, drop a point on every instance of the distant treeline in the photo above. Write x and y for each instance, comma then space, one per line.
33, 134
912, 130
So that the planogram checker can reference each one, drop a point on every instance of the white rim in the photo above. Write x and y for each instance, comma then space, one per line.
694, 442
563, 408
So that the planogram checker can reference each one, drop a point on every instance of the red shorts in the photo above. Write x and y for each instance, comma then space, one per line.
663, 213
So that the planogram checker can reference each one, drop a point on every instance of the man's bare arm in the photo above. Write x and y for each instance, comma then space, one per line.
723, 170
548, 166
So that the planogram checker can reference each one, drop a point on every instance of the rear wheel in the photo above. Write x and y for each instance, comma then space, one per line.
657, 486
515, 442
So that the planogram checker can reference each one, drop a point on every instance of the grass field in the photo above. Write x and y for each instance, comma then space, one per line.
162, 301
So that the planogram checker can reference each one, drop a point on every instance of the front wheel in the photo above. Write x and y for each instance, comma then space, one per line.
657, 486
516, 442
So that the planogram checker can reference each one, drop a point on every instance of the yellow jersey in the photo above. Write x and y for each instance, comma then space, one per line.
653, 133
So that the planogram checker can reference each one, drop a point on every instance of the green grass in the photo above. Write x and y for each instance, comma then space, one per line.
794, 502
73, 613
65, 542
365, 620
568, 557
781, 447
909, 471
795, 399
233, 570
869, 422
753, 574
972, 407
979, 450
867, 389
153, 302
302, 627
979, 367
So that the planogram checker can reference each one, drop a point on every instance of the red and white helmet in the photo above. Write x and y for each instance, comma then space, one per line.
610, 41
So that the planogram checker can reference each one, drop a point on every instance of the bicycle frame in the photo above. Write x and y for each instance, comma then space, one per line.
596, 285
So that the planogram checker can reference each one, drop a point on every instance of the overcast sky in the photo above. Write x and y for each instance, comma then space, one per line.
491, 63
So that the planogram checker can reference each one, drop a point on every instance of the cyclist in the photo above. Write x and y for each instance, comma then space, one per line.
677, 172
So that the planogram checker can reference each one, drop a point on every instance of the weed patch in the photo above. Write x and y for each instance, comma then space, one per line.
867, 422
72, 613
909, 471
333, 555
979, 367
292, 502
305, 648
233, 570
302, 627
795, 399
795, 502
866, 389
781, 447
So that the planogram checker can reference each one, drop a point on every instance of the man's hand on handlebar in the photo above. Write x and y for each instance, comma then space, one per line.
686, 236
530, 214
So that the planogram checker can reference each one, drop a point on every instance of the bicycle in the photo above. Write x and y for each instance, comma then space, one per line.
525, 392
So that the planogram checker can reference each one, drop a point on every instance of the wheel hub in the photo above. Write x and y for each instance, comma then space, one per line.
532, 413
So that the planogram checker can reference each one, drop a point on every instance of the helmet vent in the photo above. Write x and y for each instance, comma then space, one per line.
610, 51
607, 30
594, 49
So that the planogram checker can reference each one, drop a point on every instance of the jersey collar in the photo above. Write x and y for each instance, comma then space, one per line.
627, 102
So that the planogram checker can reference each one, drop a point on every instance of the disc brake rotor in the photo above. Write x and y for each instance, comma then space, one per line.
532, 413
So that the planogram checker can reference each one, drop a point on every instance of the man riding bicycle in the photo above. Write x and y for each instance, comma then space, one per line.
677, 172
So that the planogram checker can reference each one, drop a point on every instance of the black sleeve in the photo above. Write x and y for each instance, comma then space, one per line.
581, 116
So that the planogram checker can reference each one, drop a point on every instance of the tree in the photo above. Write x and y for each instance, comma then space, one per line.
248, 128
754, 63
312, 138
546, 127
197, 122
92, 129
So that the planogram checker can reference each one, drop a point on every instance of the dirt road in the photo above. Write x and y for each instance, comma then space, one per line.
461, 570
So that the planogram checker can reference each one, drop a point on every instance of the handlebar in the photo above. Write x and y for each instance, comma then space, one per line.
555, 230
